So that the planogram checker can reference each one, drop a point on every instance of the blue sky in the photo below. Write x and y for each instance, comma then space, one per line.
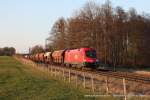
25, 23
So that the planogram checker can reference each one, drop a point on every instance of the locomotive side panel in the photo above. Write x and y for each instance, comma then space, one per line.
75, 56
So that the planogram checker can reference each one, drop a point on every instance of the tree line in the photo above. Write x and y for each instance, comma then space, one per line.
36, 49
121, 38
7, 51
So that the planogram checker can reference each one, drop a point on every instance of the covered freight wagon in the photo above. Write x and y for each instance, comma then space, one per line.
41, 57
48, 57
58, 56
36, 57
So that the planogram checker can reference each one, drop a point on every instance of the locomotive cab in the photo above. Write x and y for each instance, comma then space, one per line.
90, 59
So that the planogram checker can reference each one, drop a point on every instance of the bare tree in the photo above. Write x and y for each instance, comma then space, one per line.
121, 38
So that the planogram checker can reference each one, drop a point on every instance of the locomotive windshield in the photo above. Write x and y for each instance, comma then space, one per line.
91, 53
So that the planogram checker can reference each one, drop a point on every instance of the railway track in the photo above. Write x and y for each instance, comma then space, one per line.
145, 79
128, 76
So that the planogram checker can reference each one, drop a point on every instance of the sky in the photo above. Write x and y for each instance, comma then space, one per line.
25, 23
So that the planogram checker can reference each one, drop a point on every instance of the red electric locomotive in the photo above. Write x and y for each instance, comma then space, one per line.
83, 57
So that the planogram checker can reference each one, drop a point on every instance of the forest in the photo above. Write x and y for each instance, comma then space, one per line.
121, 38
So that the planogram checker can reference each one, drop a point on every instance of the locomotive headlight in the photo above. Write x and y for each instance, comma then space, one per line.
97, 60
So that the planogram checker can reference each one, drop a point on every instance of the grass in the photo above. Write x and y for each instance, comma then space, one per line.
22, 82
18, 81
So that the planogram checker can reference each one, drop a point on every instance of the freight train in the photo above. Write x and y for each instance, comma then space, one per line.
79, 57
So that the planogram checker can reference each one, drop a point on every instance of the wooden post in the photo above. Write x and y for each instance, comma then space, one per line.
107, 88
44, 68
92, 83
48, 71
41, 67
124, 88
51, 71
69, 76
63, 75
59, 73
76, 79
83, 79
55, 71
36, 65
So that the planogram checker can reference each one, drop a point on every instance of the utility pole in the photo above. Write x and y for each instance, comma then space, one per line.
29, 50
46, 44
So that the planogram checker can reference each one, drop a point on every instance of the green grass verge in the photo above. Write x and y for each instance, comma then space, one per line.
22, 82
